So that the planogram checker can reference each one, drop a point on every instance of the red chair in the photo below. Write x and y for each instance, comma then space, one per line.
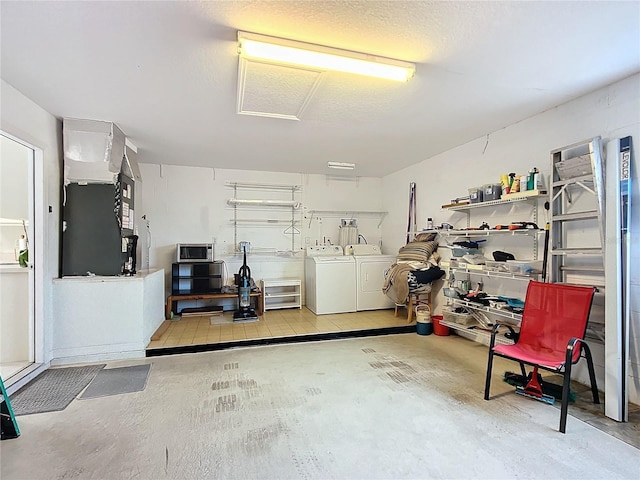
553, 322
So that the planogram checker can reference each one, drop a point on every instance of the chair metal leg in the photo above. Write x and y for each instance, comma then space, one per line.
592, 373
565, 398
492, 343
487, 382
566, 383
522, 369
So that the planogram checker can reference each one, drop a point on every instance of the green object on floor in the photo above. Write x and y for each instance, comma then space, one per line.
9, 425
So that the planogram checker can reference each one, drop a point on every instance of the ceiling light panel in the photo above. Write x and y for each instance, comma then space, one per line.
288, 52
275, 91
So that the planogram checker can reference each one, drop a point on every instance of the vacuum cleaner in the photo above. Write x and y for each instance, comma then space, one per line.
533, 386
244, 313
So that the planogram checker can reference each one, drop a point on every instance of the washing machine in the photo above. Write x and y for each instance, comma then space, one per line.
329, 280
371, 266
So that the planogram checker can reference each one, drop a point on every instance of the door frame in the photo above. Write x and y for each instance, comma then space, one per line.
36, 260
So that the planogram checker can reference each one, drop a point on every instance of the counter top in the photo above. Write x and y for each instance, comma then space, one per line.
12, 268
140, 275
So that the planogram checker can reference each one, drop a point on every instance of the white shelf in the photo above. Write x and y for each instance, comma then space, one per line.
283, 212
264, 186
510, 318
495, 311
492, 273
484, 233
281, 293
346, 214
477, 334
535, 194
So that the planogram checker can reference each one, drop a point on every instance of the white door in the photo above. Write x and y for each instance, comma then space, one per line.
17, 307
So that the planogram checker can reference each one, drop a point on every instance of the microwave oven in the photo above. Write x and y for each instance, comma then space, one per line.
194, 252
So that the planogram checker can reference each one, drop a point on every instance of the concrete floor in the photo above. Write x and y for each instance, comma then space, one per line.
398, 406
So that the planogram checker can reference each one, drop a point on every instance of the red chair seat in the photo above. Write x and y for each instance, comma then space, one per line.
535, 356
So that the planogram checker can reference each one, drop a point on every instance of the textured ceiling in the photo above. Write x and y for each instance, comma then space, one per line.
167, 74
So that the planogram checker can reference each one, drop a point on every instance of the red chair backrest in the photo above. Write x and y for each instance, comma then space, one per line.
553, 314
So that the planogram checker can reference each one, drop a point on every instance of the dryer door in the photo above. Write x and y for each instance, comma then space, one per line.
370, 283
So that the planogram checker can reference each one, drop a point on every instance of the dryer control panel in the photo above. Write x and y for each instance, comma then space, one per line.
324, 251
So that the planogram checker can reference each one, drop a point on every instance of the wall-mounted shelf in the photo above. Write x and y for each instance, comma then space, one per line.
523, 197
477, 334
13, 222
492, 273
239, 202
277, 206
482, 273
495, 311
264, 186
484, 233
264, 221
347, 214
529, 196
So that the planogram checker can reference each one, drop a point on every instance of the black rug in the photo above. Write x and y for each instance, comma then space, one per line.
53, 390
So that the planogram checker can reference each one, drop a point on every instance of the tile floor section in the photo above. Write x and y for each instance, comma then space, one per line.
197, 330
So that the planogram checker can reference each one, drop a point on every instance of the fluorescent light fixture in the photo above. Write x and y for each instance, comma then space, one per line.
288, 52
341, 165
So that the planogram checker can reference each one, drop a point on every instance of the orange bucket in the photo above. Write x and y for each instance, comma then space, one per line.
438, 328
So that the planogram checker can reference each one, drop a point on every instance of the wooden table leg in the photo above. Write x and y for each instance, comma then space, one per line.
260, 305
410, 309
168, 307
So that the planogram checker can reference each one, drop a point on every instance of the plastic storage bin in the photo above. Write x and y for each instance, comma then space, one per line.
491, 191
496, 266
459, 318
475, 195
524, 267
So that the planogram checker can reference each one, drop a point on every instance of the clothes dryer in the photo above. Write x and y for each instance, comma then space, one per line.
371, 266
330, 280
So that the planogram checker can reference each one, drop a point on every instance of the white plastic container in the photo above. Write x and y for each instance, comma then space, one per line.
496, 266
524, 267
459, 318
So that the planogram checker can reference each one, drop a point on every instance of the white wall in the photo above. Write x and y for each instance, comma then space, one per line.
22, 118
611, 112
184, 204
189, 204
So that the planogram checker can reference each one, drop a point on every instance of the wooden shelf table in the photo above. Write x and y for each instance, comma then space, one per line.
171, 299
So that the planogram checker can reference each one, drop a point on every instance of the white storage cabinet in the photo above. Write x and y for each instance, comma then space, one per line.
281, 293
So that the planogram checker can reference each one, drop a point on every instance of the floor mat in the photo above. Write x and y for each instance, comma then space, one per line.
53, 390
115, 381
